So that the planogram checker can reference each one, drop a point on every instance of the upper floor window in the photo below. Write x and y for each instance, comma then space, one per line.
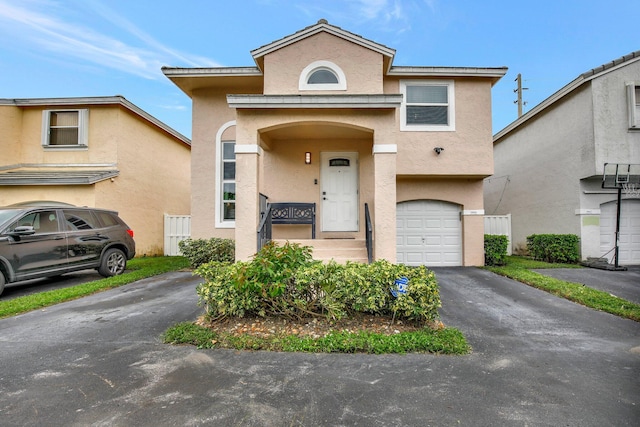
633, 100
322, 75
65, 128
427, 105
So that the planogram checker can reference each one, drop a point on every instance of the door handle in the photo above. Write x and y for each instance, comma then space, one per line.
324, 198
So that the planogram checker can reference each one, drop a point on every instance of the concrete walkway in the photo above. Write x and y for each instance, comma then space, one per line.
538, 361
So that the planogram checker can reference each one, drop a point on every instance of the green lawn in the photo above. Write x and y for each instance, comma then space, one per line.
137, 268
519, 268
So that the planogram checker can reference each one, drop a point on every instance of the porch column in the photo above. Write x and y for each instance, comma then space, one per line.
384, 206
247, 200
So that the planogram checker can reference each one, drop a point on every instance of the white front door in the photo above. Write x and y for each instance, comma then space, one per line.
339, 192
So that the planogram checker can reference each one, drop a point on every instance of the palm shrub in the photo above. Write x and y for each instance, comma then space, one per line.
285, 281
201, 251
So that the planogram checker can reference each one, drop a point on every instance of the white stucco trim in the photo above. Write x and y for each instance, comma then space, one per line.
218, 201
473, 212
385, 148
587, 211
248, 149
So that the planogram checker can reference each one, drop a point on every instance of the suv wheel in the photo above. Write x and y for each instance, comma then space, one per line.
2, 282
113, 263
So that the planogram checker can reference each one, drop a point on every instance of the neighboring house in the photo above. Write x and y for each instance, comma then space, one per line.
549, 162
99, 152
324, 117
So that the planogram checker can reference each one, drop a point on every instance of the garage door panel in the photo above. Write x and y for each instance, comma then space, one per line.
413, 240
629, 239
429, 232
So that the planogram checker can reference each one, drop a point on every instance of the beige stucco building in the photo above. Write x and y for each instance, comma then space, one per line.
325, 118
99, 152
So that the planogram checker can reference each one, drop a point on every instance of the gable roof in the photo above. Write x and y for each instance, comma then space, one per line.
567, 89
98, 100
323, 26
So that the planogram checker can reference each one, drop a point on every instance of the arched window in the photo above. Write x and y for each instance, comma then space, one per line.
322, 75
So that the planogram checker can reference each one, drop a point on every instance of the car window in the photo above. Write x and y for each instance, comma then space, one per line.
107, 219
42, 222
80, 220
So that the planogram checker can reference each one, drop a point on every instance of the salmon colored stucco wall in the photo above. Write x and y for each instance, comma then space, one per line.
362, 67
154, 170
467, 151
210, 113
465, 192
290, 180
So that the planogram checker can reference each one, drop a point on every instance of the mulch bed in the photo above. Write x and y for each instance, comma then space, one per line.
313, 327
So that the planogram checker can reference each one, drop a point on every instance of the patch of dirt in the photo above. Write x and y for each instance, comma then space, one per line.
314, 328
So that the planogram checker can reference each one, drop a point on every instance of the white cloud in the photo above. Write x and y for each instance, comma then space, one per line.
45, 26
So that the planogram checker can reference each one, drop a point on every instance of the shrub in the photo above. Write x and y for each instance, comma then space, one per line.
495, 249
285, 281
562, 248
201, 251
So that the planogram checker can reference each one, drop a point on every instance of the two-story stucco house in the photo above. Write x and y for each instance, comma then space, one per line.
325, 118
549, 163
100, 152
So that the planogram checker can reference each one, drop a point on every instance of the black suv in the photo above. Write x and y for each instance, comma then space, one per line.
47, 241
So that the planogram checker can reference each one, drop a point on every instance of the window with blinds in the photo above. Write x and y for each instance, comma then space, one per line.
65, 128
427, 105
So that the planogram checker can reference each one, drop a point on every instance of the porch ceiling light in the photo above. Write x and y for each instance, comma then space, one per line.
307, 158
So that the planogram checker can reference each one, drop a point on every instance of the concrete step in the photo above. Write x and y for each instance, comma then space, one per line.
339, 250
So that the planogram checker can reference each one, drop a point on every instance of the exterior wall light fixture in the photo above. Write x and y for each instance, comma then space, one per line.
438, 150
307, 158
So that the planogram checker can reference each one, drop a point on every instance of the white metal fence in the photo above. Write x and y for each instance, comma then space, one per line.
499, 225
176, 229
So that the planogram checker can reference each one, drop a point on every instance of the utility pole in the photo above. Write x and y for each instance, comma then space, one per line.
519, 90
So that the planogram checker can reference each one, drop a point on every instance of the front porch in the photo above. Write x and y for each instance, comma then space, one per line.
335, 167
340, 250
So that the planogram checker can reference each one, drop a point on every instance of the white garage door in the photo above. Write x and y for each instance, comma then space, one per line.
429, 232
629, 251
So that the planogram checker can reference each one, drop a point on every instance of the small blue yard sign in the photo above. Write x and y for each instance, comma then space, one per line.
400, 286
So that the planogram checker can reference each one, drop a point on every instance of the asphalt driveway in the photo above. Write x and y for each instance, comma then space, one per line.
538, 361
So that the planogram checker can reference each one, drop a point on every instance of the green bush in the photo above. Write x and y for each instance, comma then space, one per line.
564, 248
495, 249
201, 251
285, 281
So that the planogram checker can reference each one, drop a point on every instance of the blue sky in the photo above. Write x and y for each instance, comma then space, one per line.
67, 48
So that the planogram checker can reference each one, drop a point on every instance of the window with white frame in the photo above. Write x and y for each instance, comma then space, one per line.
322, 75
633, 99
228, 190
65, 128
427, 105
